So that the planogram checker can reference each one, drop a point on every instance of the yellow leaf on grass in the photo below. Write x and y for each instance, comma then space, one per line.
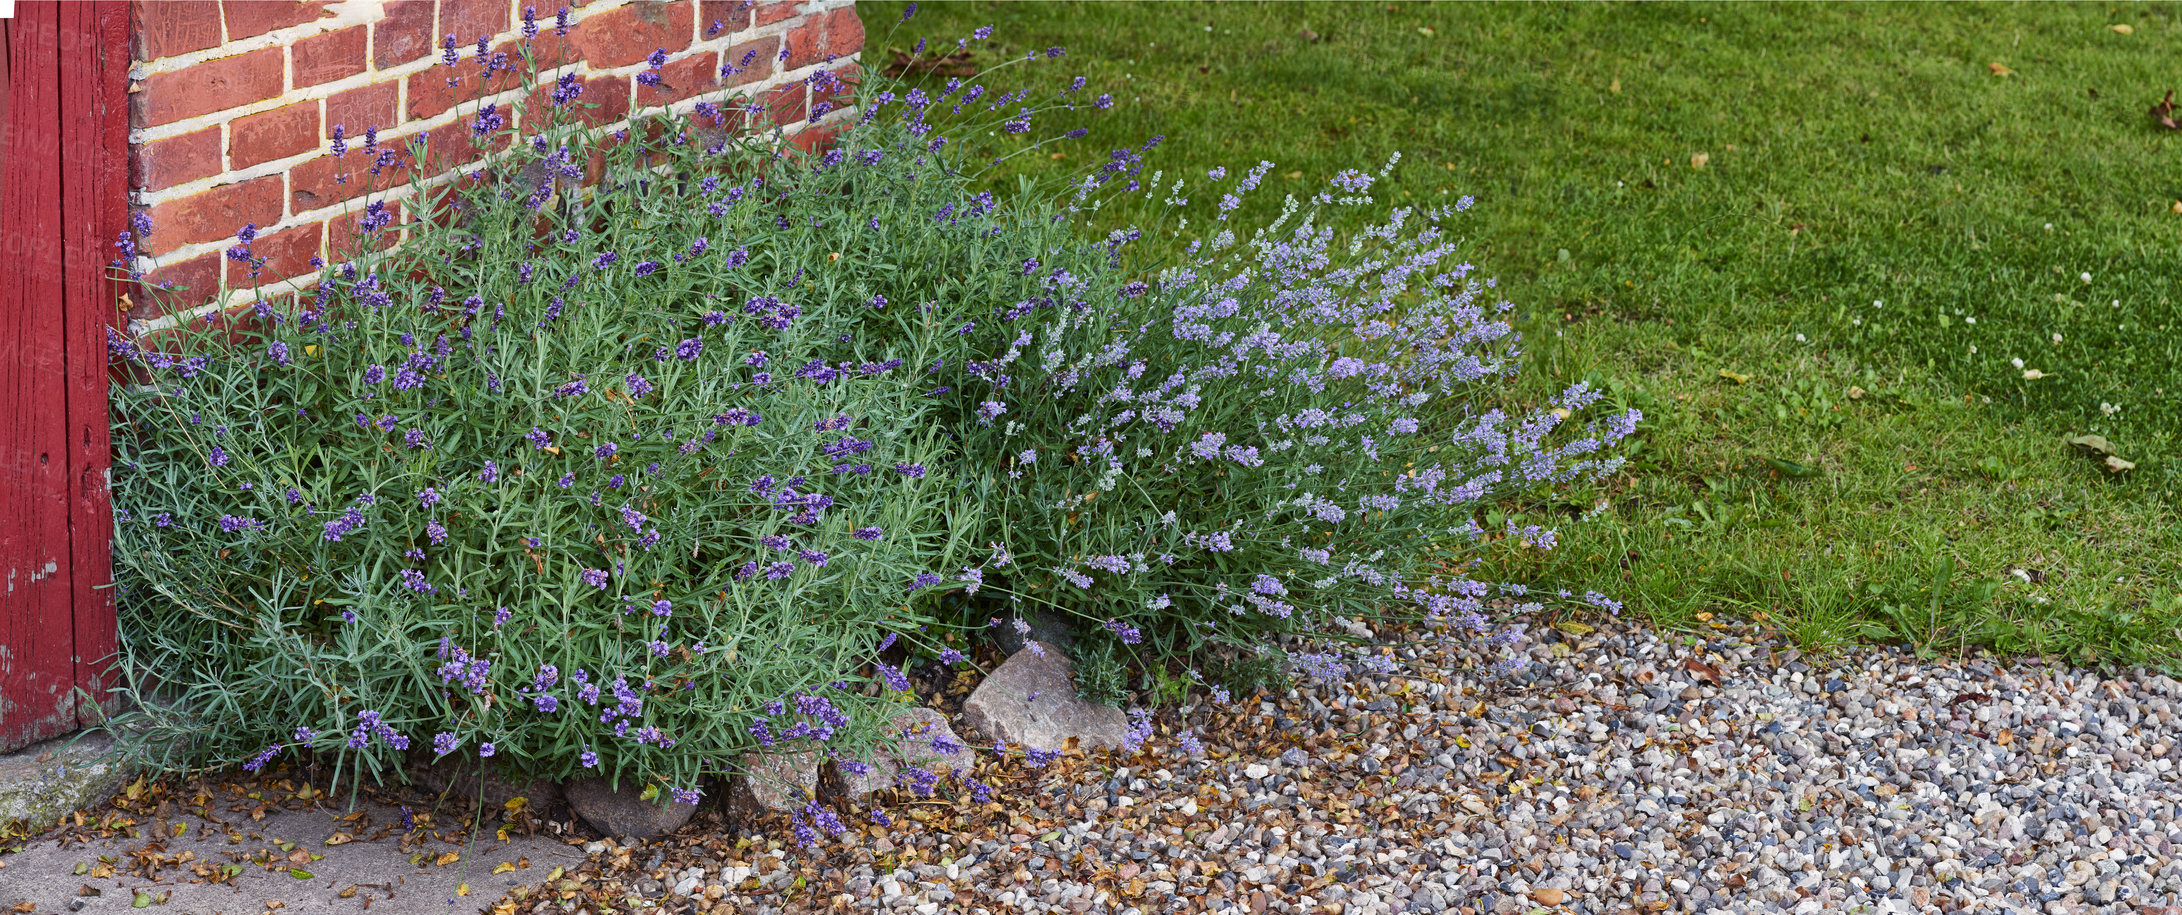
1737, 377
1999, 69
1699, 160
1615, 86
2121, 27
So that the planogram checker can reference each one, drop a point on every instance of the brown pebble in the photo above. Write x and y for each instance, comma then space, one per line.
1547, 895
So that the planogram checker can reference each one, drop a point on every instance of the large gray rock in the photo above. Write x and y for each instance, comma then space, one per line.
466, 777
1054, 630
773, 783
924, 740
624, 812
1031, 701
42, 781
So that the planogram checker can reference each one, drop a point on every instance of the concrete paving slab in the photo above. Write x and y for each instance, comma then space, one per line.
231, 864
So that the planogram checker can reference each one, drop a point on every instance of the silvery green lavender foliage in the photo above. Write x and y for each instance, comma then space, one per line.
636, 470
624, 481
1277, 434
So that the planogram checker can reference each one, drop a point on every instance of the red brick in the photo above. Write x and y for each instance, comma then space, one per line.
623, 36
247, 18
609, 93
681, 79
404, 35
216, 214
431, 93
175, 160
833, 36
164, 28
721, 18
341, 232
287, 253
450, 147
805, 42
754, 58
326, 181
549, 50
844, 32
362, 107
275, 134
215, 85
814, 138
331, 56
769, 13
200, 274
469, 20
435, 90
785, 105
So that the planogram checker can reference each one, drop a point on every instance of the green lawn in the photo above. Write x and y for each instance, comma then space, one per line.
1682, 197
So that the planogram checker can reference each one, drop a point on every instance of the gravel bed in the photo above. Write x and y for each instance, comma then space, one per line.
1622, 771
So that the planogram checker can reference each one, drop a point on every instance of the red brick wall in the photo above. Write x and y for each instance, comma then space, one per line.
233, 103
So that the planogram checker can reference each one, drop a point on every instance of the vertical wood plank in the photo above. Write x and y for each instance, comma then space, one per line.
94, 208
37, 637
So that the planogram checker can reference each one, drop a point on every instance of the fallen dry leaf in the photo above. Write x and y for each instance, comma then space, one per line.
1999, 70
1705, 673
2164, 114
2121, 27
1699, 160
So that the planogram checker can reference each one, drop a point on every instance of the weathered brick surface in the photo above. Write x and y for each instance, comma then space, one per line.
680, 79
238, 133
469, 20
362, 107
404, 35
215, 214
246, 19
175, 160
165, 28
330, 56
277, 134
623, 36
287, 253
215, 85
327, 181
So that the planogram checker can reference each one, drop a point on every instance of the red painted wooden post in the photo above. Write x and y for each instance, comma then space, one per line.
63, 177
94, 209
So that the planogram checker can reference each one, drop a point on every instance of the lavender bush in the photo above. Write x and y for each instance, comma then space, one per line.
1278, 434
635, 478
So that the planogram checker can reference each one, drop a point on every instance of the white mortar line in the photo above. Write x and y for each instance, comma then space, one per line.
404, 191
